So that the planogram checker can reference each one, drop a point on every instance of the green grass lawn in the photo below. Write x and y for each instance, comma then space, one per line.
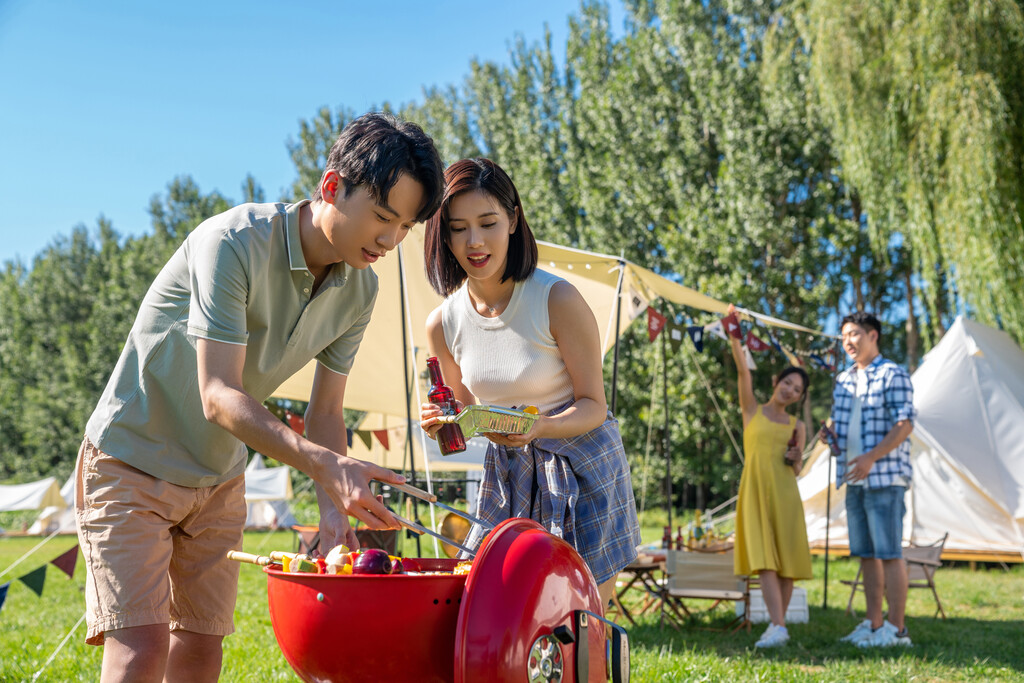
982, 640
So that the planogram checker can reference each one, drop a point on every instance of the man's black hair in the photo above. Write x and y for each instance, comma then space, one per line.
374, 149
864, 320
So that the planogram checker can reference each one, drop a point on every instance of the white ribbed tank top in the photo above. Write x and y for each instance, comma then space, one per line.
510, 360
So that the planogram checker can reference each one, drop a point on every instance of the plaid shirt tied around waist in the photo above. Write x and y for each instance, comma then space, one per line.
577, 488
889, 399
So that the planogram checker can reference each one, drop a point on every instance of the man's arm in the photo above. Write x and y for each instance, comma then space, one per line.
325, 425
859, 467
345, 481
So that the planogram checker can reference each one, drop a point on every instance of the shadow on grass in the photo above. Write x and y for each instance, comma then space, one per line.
960, 643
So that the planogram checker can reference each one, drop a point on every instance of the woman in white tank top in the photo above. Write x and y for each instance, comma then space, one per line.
510, 335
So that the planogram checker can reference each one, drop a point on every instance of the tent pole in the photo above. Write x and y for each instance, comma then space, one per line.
664, 440
408, 394
618, 318
828, 487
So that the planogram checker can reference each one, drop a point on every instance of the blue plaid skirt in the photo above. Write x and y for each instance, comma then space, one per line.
577, 488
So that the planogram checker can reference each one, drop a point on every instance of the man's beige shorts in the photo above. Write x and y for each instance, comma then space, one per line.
155, 552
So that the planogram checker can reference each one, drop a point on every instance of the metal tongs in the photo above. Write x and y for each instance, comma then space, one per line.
431, 499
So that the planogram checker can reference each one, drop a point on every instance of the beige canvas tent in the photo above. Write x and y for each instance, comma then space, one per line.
616, 290
968, 452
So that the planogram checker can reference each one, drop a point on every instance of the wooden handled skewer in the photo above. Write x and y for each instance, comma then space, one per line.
413, 491
239, 556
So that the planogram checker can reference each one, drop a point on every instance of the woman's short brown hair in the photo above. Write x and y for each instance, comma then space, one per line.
443, 270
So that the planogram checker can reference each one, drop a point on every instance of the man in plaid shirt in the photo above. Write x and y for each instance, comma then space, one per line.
873, 415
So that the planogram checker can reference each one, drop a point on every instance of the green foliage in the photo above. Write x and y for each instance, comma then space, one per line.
928, 114
64, 321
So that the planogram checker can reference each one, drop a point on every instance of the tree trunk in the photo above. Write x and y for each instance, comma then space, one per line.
913, 334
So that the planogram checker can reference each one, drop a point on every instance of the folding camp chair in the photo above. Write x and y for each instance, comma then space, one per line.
922, 561
692, 575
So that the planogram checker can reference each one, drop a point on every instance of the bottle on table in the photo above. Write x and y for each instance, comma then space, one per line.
680, 539
666, 539
449, 437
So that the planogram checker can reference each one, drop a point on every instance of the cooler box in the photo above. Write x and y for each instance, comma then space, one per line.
796, 614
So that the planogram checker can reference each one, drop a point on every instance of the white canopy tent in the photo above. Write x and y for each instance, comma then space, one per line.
967, 451
267, 492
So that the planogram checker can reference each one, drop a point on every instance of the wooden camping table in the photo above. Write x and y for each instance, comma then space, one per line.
641, 577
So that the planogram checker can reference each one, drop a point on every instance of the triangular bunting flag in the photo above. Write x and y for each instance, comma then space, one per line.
637, 303
295, 421
697, 335
731, 324
364, 436
820, 362
35, 580
655, 323
775, 342
755, 344
3, 593
675, 336
717, 329
750, 358
66, 562
382, 436
793, 358
348, 436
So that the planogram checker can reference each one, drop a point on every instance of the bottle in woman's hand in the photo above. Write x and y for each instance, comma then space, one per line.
449, 437
790, 446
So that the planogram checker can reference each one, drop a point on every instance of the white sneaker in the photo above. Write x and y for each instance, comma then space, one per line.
886, 635
862, 631
773, 636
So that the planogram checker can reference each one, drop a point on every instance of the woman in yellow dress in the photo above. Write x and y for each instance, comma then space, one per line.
771, 536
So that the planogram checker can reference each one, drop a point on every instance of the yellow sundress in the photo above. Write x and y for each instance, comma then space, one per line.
770, 528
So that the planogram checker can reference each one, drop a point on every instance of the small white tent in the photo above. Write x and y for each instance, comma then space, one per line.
36, 495
967, 451
267, 492
55, 518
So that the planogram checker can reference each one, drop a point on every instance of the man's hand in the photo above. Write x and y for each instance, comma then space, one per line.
346, 481
858, 468
335, 530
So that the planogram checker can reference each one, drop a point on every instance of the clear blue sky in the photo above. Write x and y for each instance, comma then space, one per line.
103, 103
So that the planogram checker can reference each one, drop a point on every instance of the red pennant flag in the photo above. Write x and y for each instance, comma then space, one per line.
755, 344
382, 436
66, 562
35, 579
732, 326
296, 422
655, 323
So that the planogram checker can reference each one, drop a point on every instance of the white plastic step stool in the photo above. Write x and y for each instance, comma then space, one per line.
796, 614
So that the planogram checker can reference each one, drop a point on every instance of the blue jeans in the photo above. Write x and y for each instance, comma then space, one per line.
874, 519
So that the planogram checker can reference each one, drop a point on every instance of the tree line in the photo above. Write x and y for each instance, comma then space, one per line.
803, 159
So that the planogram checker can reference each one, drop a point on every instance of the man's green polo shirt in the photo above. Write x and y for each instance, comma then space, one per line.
238, 278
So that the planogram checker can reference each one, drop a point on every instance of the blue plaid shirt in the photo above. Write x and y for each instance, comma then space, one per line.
889, 399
